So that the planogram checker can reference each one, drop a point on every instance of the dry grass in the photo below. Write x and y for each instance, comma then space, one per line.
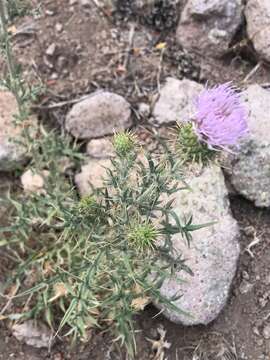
211, 347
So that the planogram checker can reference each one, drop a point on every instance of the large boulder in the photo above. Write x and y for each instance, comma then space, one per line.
12, 150
258, 26
208, 26
213, 252
100, 114
176, 101
250, 165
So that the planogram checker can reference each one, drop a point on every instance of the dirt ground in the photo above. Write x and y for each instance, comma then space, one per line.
73, 50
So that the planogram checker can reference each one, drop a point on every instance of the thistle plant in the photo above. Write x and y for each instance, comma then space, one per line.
220, 121
142, 235
94, 261
13, 81
124, 143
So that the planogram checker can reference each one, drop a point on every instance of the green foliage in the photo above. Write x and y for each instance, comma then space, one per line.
189, 147
13, 80
16, 8
89, 259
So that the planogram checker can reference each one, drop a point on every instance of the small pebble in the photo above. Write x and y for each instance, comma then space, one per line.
51, 50
144, 110
58, 27
245, 287
245, 275
266, 331
259, 342
49, 12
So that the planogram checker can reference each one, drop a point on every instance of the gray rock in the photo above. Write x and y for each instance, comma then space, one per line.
208, 26
34, 334
100, 148
176, 101
100, 114
213, 252
250, 166
257, 14
91, 175
12, 150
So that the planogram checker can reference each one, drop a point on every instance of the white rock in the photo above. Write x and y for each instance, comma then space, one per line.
58, 27
258, 26
144, 110
100, 114
100, 148
92, 174
51, 49
12, 151
208, 26
33, 182
176, 101
32, 333
250, 167
213, 253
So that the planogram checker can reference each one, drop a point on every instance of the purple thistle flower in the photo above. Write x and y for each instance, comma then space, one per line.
221, 118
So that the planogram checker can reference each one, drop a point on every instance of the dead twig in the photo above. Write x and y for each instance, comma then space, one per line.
160, 68
251, 245
253, 71
10, 298
130, 46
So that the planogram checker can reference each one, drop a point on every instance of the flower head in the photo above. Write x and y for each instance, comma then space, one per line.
88, 206
221, 118
142, 235
124, 143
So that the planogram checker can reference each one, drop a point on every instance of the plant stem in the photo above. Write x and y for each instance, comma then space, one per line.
9, 57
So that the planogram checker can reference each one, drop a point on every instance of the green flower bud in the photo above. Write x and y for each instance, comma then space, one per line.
142, 236
124, 143
190, 147
88, 206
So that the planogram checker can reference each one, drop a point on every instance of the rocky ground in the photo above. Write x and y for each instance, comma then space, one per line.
156, 56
